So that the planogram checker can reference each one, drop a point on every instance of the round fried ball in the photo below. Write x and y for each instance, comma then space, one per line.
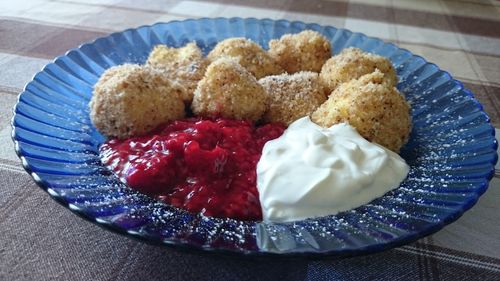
131, 100
186, 65
374, 107
230, 91
305, 51
292, 96
248, 54
353, 63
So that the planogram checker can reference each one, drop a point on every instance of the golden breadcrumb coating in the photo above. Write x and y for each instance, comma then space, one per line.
186, 65
373, 106
292, 96
230, 91
305, 51
248, 54
131, 100
353, 63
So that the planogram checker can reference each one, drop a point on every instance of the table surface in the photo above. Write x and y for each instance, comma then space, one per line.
41, 240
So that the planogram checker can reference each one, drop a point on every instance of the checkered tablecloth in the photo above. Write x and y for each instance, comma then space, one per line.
40, 240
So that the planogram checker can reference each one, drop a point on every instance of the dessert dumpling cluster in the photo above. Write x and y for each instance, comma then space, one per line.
297, 76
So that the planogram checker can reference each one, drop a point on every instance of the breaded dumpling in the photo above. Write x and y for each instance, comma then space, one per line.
292, 96
186, 65
373, 106
305, 51
230, 91
353, 63
131, 100
248, 54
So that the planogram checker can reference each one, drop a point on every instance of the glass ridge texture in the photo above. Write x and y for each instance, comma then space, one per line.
451, 152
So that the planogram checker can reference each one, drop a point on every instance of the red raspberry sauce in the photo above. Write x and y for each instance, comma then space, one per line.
205, 166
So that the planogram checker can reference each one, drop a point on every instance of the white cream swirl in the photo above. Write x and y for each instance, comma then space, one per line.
311, 171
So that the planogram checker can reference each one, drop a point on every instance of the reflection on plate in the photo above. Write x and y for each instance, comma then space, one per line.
452, 150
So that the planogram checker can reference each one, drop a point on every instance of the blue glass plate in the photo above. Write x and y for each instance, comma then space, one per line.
452, 150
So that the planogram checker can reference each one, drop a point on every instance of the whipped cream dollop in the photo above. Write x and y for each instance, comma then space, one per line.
312, 171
